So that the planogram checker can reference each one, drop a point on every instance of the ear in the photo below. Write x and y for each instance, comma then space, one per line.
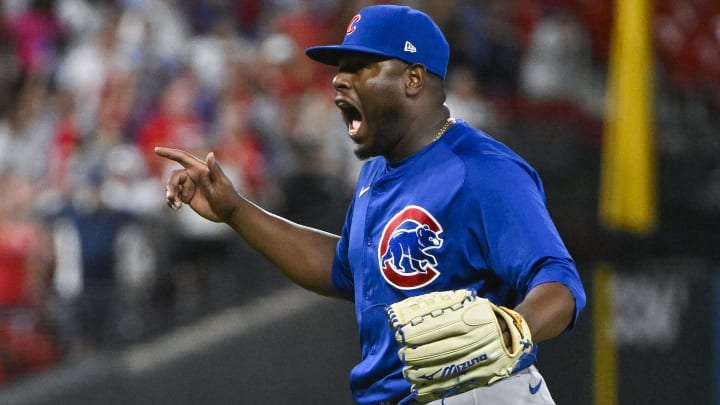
415, 78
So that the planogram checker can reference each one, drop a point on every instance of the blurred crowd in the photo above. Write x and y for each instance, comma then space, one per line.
91, 259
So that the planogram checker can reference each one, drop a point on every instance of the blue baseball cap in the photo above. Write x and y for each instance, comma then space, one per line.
394, 31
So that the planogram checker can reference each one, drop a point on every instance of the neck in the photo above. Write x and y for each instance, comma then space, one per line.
446, 125
421, 132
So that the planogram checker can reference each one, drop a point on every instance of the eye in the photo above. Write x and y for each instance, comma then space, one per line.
356, 63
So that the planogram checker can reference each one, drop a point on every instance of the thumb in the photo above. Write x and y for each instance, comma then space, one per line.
216, 172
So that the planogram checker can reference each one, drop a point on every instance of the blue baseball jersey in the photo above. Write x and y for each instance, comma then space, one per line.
463, 212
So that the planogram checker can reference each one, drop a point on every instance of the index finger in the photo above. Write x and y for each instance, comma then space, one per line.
186, 159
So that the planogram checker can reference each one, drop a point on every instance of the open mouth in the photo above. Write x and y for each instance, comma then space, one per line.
352, 116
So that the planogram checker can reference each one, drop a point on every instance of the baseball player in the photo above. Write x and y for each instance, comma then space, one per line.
448, 251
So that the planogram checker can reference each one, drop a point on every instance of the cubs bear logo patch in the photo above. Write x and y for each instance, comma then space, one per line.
405, 252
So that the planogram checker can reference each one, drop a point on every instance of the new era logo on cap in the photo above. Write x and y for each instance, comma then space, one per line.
393, 31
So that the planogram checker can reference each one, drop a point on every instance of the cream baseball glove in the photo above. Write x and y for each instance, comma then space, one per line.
452, 342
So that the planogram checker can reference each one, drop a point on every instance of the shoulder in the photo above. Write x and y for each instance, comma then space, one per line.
484, 157
464, 139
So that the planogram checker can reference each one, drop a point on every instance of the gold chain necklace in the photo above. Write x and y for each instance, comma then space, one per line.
448, 123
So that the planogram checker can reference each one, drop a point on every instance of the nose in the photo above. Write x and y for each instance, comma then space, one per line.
341, 81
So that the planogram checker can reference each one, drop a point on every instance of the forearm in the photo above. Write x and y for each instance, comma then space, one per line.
548, 309
303, 254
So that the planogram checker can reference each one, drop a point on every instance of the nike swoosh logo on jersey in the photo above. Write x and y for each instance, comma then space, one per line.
363, 191
536, 388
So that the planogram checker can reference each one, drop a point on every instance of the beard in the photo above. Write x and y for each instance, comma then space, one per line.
384, 138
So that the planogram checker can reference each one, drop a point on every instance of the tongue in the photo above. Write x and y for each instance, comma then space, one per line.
354, 126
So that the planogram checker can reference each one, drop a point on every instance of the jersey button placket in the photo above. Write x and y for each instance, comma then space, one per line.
368, 288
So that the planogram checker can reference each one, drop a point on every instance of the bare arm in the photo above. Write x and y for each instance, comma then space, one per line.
303, 254
548, 309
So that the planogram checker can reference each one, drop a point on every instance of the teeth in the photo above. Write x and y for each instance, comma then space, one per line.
354, 126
